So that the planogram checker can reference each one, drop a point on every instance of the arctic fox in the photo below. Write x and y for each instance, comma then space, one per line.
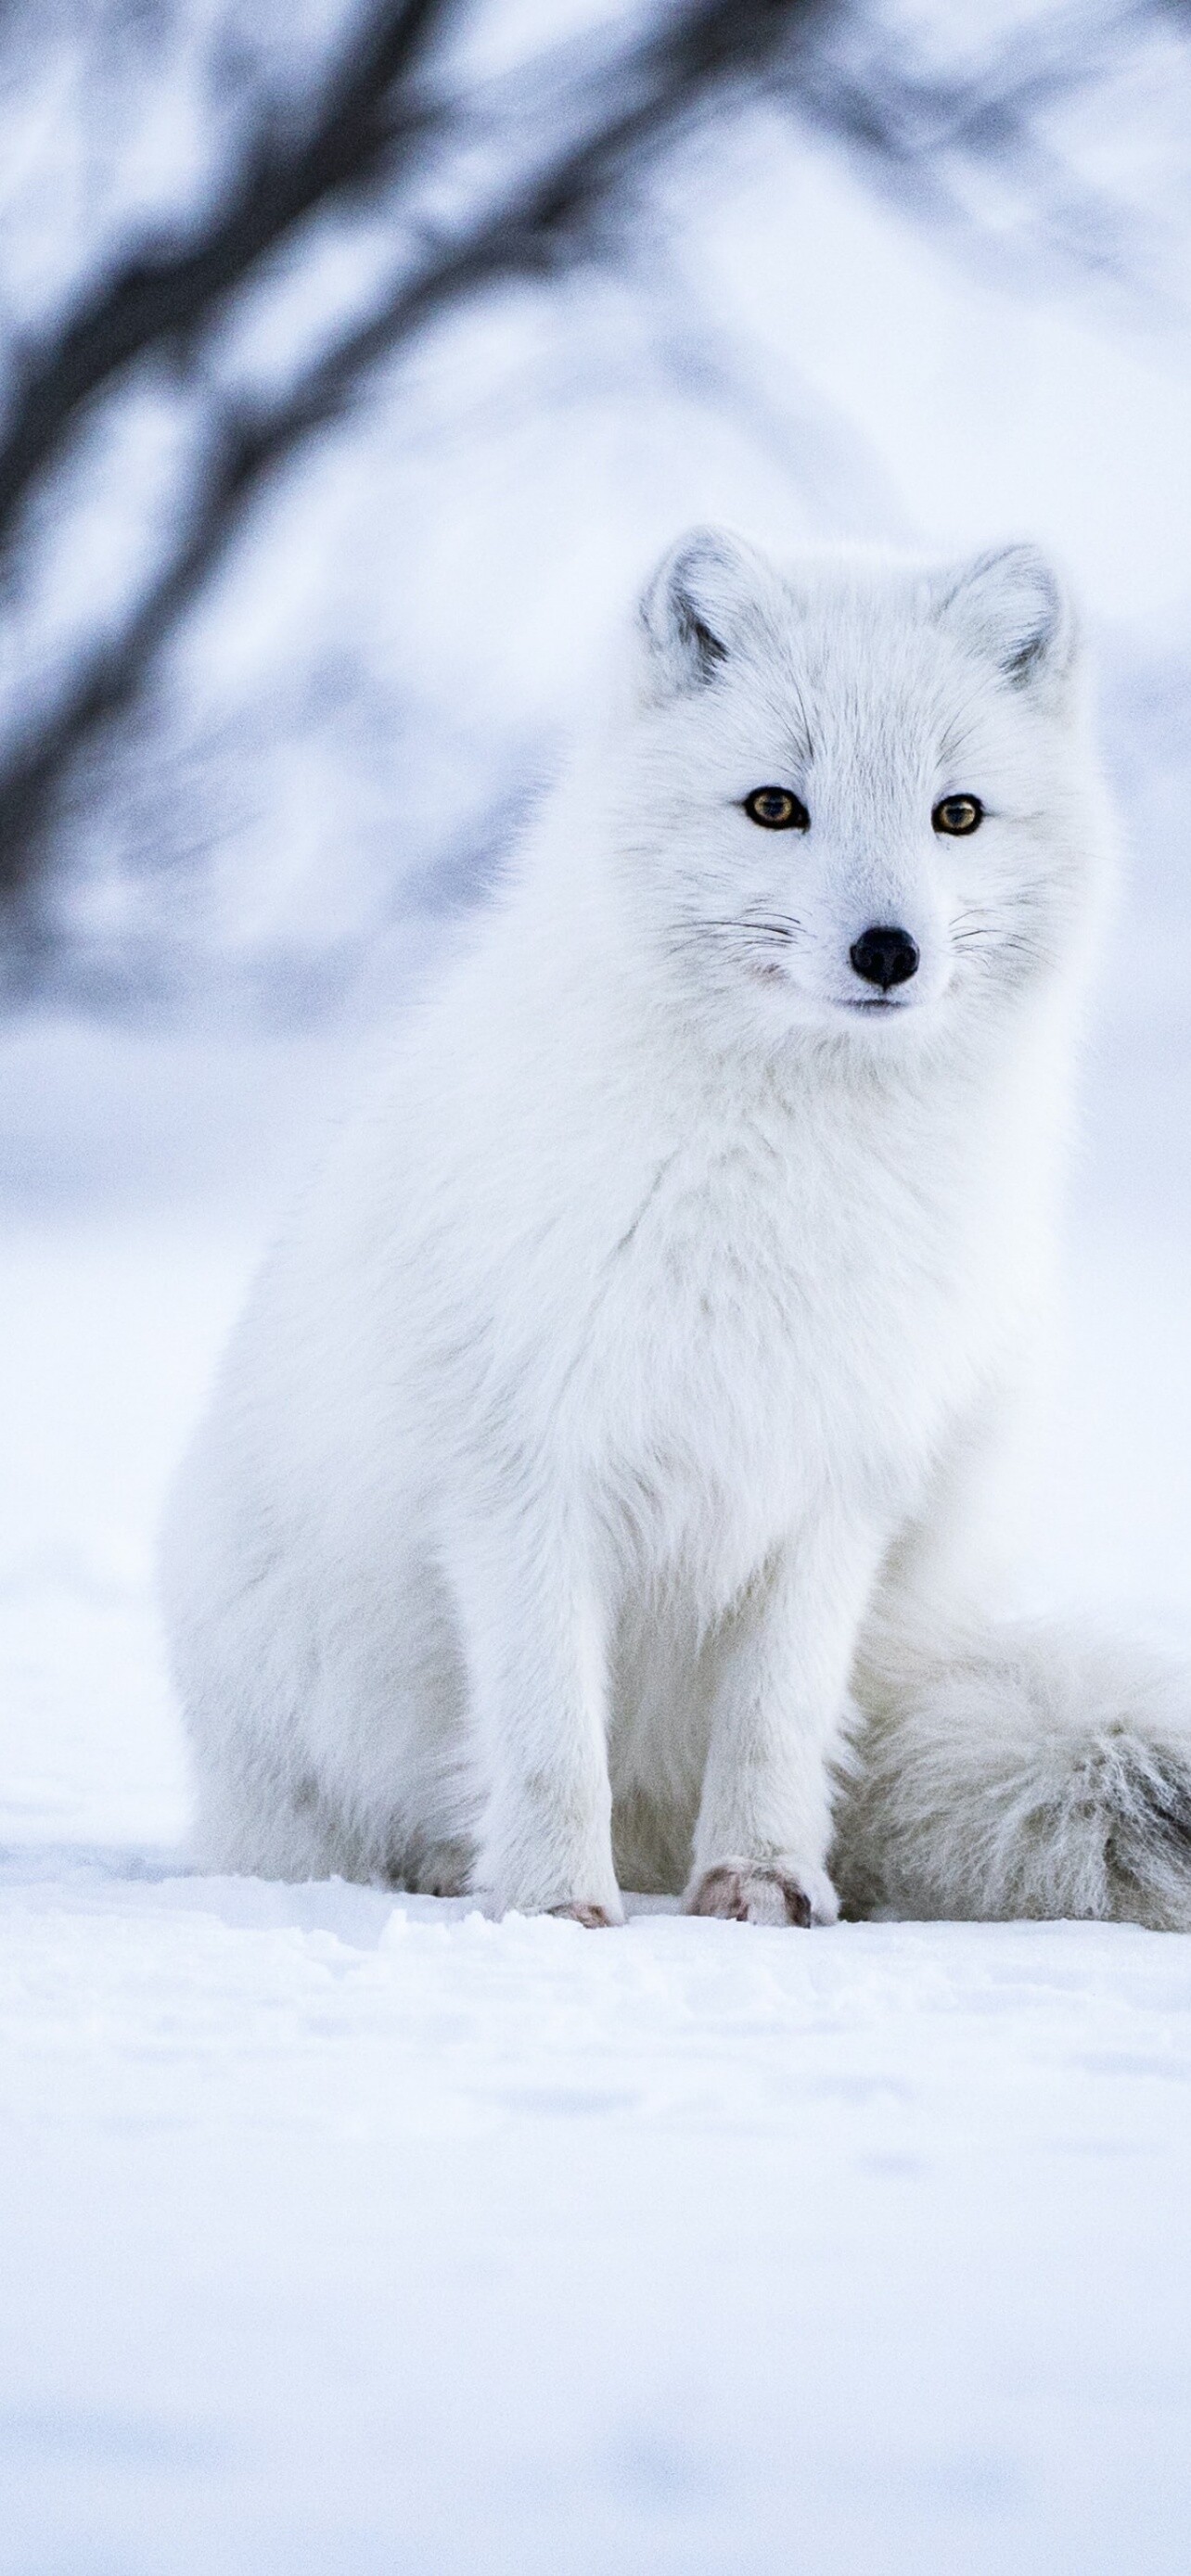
589, 1497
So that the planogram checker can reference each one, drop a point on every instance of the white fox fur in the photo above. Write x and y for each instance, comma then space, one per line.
621, 1398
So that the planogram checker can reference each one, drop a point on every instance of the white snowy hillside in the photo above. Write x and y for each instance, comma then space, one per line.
346, 2234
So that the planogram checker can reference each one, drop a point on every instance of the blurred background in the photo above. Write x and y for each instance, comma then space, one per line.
355, 360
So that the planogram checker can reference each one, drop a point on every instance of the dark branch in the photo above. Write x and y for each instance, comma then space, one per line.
151, 300
548, 224
917, 131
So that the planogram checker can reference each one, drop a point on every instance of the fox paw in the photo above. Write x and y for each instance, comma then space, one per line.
754, 1891
595, 1918
444, 1870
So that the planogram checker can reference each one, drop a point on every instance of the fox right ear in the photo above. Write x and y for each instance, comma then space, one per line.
1011, 606
702, 594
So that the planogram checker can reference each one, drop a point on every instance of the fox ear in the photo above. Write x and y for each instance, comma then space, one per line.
706, 592
1011, 606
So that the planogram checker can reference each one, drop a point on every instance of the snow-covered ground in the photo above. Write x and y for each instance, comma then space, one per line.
352, 2235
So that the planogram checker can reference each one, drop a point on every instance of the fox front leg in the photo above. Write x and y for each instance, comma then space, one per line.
779, 1705
534, 1646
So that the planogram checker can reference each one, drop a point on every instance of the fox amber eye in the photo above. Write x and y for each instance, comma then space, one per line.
958, 814
777, 810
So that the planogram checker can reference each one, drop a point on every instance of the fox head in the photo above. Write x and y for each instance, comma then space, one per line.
856, 795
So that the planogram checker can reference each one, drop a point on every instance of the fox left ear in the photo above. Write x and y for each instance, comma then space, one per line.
706, 592
1011, 606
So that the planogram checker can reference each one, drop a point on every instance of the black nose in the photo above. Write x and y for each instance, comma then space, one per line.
885, 957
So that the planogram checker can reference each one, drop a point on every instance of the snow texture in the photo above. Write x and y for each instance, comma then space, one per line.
353, 2233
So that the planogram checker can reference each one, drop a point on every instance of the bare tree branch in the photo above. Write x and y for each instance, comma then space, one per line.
154, 299
916, 129
545, 225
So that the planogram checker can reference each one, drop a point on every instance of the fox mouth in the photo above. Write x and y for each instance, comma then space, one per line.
872, 1002
904, 1003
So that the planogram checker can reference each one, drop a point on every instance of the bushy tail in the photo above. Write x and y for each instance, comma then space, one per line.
1026, 1770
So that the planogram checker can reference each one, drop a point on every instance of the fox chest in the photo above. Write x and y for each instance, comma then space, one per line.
752, 1355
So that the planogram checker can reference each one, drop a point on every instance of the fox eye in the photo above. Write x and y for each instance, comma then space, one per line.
777, 810
958, 814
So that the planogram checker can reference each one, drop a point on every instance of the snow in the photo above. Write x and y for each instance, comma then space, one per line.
352, 2232
365, 2234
